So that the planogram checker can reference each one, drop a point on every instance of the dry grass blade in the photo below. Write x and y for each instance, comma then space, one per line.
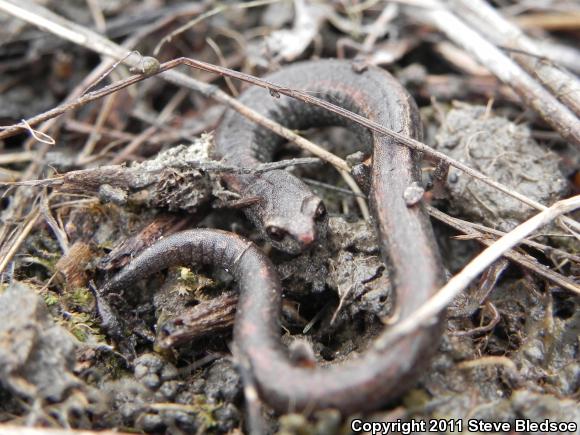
428, 311
523, 260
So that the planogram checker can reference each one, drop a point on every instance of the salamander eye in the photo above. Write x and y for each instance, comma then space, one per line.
276, 233
320, 212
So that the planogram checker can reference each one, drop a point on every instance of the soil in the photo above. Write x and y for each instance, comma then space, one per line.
511, 348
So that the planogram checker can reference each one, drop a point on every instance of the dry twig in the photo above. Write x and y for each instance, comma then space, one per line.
523, 260
428, 312
526, 52
531, 92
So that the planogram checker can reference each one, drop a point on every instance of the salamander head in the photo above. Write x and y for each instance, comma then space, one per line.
289, 214
299, 227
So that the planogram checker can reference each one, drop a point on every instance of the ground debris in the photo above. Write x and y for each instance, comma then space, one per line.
37, 357
74, 263
511, 351
506, 152
524, 367
204, 319
157, 398
174, 180
358, 235
122, 253
362, 281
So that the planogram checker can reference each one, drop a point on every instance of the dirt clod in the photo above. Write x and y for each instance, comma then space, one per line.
37, 356
505, 151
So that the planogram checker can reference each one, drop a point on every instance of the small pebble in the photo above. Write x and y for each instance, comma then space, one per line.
413, 194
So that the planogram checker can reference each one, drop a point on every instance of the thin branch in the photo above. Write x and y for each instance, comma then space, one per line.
359, 197
12, 130
427, 313
333, 188
521, 259
403, 140
22, 235
59, 233
464, 225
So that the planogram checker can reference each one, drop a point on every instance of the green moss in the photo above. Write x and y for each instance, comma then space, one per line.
115, 366
51, 299
191, 282
194, 280
416, 398
205, 411
81, 297
83, 327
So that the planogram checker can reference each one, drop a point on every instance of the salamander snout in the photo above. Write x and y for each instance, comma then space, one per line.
306, 239
298, 229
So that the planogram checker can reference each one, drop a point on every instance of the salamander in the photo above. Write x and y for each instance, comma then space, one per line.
294, 218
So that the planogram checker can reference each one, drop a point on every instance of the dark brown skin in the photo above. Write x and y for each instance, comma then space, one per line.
406, 239
287, 206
